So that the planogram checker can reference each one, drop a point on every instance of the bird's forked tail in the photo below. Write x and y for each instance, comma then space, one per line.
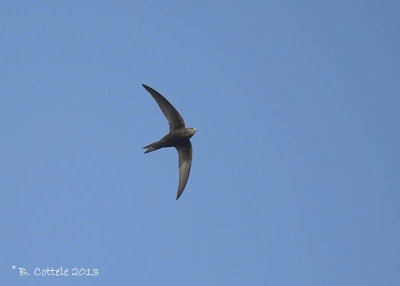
150, 148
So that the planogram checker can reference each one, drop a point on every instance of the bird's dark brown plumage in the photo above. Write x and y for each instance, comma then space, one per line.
177, 137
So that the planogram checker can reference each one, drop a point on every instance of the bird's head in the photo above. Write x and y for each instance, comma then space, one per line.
192, 130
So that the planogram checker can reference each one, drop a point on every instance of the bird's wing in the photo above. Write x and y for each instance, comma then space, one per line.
185, 161
175, 120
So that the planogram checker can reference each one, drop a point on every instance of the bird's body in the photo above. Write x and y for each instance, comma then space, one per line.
172, 139
177, 137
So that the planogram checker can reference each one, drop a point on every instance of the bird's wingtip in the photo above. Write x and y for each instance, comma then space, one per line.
179, 194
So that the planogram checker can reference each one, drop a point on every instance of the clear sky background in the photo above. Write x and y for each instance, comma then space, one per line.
295, 175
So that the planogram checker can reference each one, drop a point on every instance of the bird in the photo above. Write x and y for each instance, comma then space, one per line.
178, 137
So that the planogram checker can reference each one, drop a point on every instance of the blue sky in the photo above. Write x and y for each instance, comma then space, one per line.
295, 174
